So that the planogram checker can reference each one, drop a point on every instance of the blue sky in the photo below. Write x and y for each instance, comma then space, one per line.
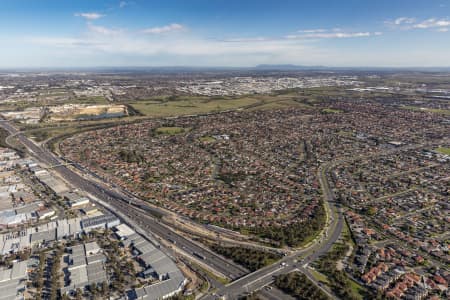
59, 33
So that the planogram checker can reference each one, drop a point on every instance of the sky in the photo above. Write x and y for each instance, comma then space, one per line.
227, 33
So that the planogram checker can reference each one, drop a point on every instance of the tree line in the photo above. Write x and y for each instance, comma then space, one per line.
252, 259
294, 235
299, 286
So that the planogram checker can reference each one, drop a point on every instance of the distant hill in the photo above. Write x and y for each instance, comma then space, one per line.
287, 67
219, 69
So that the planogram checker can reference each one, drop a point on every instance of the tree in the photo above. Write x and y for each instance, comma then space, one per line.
105, 289
78, 294
93, 289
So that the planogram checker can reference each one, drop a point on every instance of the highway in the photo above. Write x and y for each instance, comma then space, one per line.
129, 207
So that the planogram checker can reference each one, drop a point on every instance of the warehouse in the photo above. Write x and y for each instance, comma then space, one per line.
86, 266
13, 280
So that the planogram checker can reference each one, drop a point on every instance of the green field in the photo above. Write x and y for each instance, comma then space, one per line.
43, 134
443, 150
189, 106
170, 130
3, 135
331, 111
319, 276
207, 139
278, 104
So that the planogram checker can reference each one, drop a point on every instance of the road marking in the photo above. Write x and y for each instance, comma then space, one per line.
268, 274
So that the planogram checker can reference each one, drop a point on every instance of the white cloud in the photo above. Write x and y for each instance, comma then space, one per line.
338, 35
122, 4
62, 42
89, 16
404, 20
331, 34
164, 29
244, 51
442, 25
103, 30
255, 39
101, 42
432, 23
312, 30
134, 48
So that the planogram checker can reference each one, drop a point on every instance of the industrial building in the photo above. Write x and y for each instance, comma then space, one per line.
162, 268
86, 266
13, 281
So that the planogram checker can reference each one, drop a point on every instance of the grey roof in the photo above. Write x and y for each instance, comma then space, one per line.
5, 275
126, 243
144, 247
100, 221
95, 258
159, 290
158, 261
14, 242
96, 273
9, 291
27, 208
62, 230
139, 240
134, 236
91, 247
74, 226
152, 256
77, 262
94, 268
85, 269
43, 236
140, 292
11, 280
164, 266
79, 276
71, 196
77, 250
19, 270
53, 183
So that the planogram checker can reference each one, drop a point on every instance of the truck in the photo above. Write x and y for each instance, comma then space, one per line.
198, 255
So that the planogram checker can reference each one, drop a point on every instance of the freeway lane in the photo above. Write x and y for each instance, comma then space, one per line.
121, 203
222, 265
